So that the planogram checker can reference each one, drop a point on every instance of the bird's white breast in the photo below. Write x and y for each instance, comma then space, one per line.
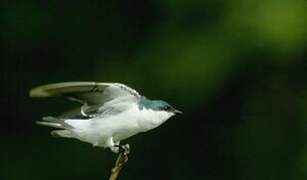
150, 119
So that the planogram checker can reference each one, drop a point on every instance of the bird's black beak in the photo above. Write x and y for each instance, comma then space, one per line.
177, 111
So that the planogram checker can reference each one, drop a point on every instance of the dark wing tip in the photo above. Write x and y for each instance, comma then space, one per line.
38, 92
58, 88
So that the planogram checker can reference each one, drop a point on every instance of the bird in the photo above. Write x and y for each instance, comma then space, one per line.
108, 112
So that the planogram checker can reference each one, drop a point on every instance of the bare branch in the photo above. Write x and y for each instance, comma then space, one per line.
120, 162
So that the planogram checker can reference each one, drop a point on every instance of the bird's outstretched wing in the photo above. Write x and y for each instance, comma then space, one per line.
87, 93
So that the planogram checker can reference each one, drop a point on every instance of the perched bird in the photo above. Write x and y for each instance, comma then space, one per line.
110, 112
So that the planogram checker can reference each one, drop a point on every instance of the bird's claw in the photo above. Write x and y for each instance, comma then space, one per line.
123, 148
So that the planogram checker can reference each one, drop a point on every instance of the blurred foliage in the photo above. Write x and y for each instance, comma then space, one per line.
236, 68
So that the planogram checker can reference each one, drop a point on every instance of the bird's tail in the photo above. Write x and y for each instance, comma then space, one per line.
61, 133
56, 123
53, 122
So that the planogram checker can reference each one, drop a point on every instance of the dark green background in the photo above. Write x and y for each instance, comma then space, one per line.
236, 68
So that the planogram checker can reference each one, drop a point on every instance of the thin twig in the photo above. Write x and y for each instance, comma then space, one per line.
121, 160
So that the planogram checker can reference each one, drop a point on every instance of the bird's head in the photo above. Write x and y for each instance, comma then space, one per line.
164, 106
160, 106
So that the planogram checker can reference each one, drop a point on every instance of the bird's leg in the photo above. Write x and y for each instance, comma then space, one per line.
125, 149
117, 146
122, 148
116, 143
113, 146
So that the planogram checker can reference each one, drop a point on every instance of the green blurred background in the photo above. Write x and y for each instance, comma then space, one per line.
236, 68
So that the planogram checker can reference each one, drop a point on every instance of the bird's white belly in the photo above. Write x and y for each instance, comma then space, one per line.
98, 130
121, 126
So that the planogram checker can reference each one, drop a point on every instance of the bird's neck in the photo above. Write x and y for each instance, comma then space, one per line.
151, 119
145, 103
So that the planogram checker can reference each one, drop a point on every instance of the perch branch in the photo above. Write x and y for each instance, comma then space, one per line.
120, 162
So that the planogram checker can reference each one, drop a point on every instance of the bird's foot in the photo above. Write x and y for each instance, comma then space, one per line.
123, 148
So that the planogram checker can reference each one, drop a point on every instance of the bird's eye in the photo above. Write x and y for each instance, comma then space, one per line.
166, 108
